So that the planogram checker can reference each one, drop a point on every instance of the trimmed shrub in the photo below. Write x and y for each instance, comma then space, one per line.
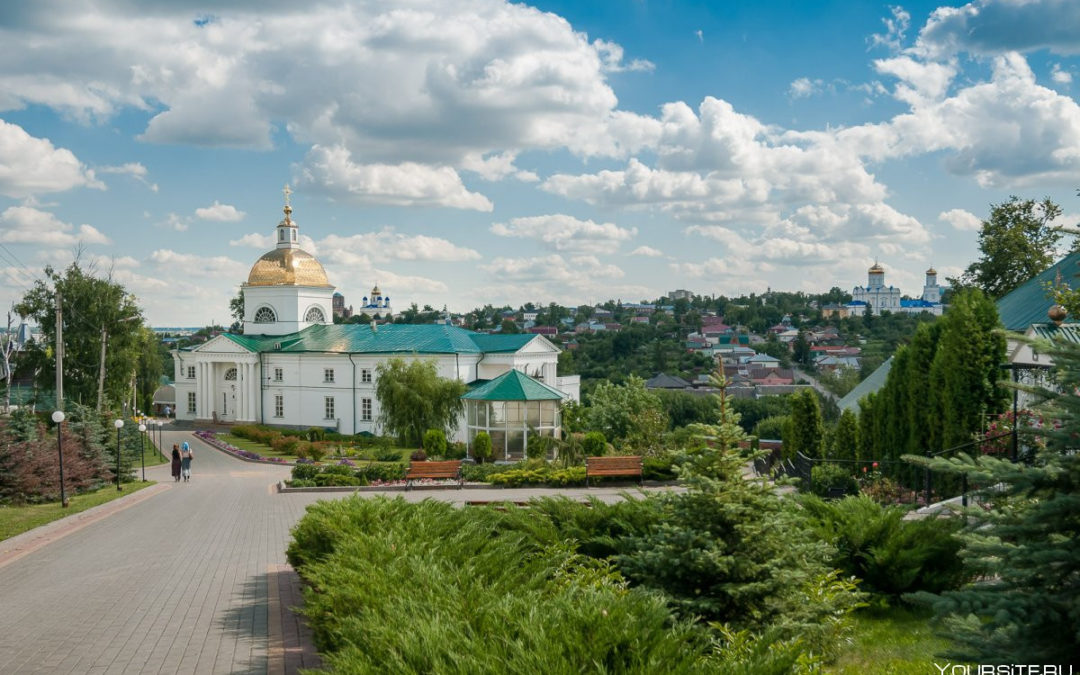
482, 446
540, 447
594, 444
455, 450
825, 478
316, 451
434, 442
305, 472
381, 471
659, 467
481, 473
418, 456
387, 454
316, 434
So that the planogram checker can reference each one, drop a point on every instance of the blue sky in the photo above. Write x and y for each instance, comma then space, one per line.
462, 153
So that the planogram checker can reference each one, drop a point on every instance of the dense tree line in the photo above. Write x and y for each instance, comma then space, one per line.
941, 385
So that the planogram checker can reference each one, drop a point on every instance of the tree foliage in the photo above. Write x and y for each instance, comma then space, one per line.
627, 414
1015, 243
90, 304
413, 398
845, 438
941, 385
805, 429
1024, 549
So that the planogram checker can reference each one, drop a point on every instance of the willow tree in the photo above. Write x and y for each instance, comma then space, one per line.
413, 398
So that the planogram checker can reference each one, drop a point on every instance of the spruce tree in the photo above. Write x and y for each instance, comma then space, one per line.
1024, 550
846, 437
805, 430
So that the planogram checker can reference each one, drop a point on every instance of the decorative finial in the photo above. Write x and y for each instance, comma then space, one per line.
288, 209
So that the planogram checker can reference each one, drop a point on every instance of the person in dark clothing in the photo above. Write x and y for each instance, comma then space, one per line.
176, 462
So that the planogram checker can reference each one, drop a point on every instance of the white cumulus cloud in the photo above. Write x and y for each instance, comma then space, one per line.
961, 219
29, 225
566, 233
30, 165
223, 213
330, 170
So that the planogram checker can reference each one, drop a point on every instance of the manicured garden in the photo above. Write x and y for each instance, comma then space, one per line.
726, 577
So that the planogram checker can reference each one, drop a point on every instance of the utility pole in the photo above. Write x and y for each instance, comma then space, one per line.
59, 352
101, 370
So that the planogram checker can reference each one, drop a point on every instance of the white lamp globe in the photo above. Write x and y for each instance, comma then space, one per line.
58, 416
118, 424
142, 427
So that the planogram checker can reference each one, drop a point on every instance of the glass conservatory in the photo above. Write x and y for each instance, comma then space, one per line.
513, 408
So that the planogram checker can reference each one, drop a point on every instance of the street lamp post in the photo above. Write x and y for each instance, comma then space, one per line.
58, 417
119, 424
142, 457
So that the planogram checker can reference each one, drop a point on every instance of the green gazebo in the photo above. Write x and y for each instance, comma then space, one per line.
512, 408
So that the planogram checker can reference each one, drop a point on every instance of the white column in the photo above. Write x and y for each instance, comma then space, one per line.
256, 392
249, 398
201, 389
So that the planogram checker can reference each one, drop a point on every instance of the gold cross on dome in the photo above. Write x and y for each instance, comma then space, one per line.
287, 192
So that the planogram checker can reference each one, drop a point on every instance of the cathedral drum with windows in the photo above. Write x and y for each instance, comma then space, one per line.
287, 289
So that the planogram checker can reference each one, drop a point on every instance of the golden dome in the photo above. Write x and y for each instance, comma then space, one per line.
288, 267
876, 268
932, 271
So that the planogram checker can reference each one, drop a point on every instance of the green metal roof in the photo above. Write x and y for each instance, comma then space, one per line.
514, 385
1066, 332
385, 339
494, 342
873, 382
1028, 303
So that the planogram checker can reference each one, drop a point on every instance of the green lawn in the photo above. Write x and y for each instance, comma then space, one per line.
258, 448
18, 519
893, 641
267, 451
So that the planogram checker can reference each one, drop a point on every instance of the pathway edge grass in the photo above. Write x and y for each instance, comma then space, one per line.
15, 520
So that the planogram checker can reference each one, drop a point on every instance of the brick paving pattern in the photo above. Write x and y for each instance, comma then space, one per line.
178, 581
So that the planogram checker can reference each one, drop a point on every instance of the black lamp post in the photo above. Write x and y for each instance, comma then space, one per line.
142, 457
119, 424
58, 417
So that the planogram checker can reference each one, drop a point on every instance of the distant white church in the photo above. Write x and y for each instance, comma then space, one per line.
292, 366
876, 297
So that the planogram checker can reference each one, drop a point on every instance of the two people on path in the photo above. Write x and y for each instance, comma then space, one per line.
181, 462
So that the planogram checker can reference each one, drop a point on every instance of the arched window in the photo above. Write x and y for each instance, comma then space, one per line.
265, 315
315, 315
230, 375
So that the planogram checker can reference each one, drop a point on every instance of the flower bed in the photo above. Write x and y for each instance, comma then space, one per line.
211, 439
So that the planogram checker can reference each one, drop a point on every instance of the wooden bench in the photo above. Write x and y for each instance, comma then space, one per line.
613, 466
418, 470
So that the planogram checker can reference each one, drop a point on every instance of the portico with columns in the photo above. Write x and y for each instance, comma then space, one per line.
218, 381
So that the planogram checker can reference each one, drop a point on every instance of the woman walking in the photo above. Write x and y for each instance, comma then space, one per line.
176, 464
186, 456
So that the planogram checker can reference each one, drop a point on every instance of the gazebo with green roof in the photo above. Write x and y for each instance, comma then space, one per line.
512, 408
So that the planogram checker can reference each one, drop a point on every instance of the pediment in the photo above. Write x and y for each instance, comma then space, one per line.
222, 345
538, 345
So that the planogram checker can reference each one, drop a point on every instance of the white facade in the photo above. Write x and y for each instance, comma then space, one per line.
224, 381
293, 367
877, 297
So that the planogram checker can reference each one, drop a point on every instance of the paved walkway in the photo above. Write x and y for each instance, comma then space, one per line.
190, 580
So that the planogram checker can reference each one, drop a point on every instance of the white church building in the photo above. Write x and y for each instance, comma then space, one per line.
293, 367
876, 297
